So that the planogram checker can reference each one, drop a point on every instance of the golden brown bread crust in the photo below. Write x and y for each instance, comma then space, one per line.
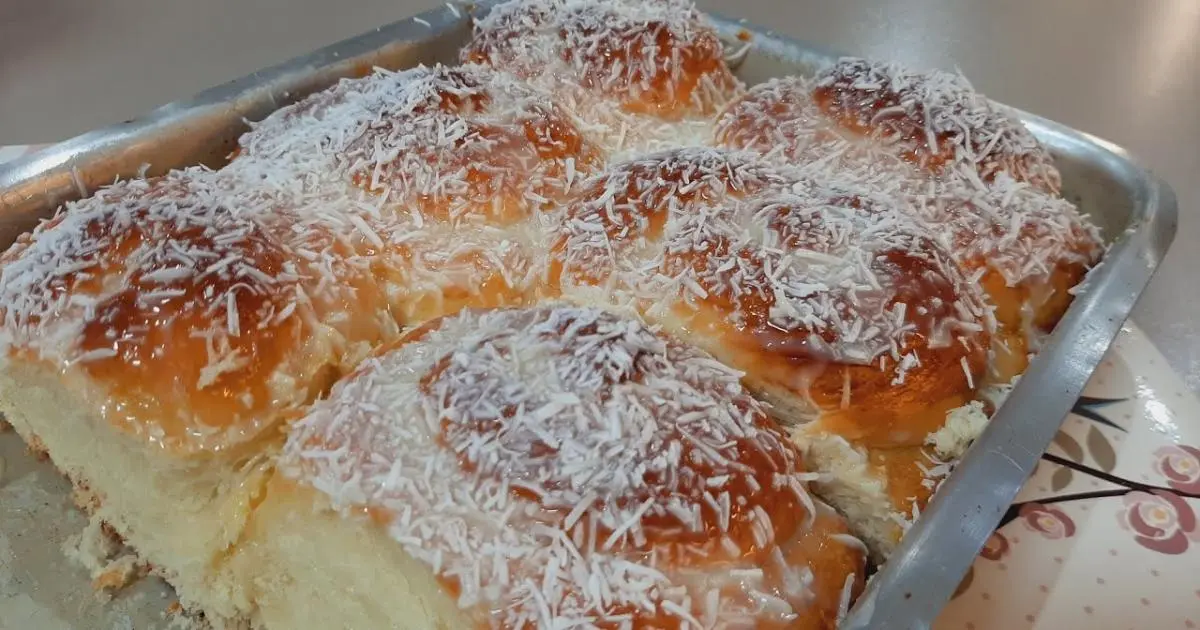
1026, 311
826, 293
931, 119
458, 165
188, 305
639, 75
655, 57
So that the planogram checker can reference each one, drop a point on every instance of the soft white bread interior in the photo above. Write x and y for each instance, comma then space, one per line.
180, 514
305, 565
882, 491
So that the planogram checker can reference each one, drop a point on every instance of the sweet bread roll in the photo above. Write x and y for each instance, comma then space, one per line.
1029, 250
547, 467
843, 312
833, 301
966, 166
933, 120
626, 66
782, 120
157, 333
153, 337
444, 173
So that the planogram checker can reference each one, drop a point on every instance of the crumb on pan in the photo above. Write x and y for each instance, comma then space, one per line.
112, 533
118, 574
180, 618
997, 393
965, 424
100, 550
37, 448
85, 498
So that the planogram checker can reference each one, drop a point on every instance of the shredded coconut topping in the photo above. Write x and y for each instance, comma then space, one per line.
447, 172
559, 467
1023, 233
402, 195
186, 295
463, 144
781, 120
657, 56
935, 118
956, 159
567, 467
811, 268
614, 61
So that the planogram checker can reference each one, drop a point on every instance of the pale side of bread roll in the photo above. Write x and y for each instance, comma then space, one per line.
178, 513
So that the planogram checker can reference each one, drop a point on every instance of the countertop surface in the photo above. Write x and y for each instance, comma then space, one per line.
1125, 71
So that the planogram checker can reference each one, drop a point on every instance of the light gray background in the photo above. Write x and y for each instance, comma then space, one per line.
1126, 70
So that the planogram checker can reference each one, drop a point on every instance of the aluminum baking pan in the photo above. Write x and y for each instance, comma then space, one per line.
1135, 210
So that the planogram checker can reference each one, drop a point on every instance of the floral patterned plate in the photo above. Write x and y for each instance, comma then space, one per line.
1105, 533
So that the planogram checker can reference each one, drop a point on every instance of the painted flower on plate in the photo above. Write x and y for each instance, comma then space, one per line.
1048, 521
996, 547
1159, 520
1180, 464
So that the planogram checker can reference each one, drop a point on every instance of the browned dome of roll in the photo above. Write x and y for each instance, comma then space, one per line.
446, 171
187, 299
656, 57
829, 298
962, 164
934, 121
